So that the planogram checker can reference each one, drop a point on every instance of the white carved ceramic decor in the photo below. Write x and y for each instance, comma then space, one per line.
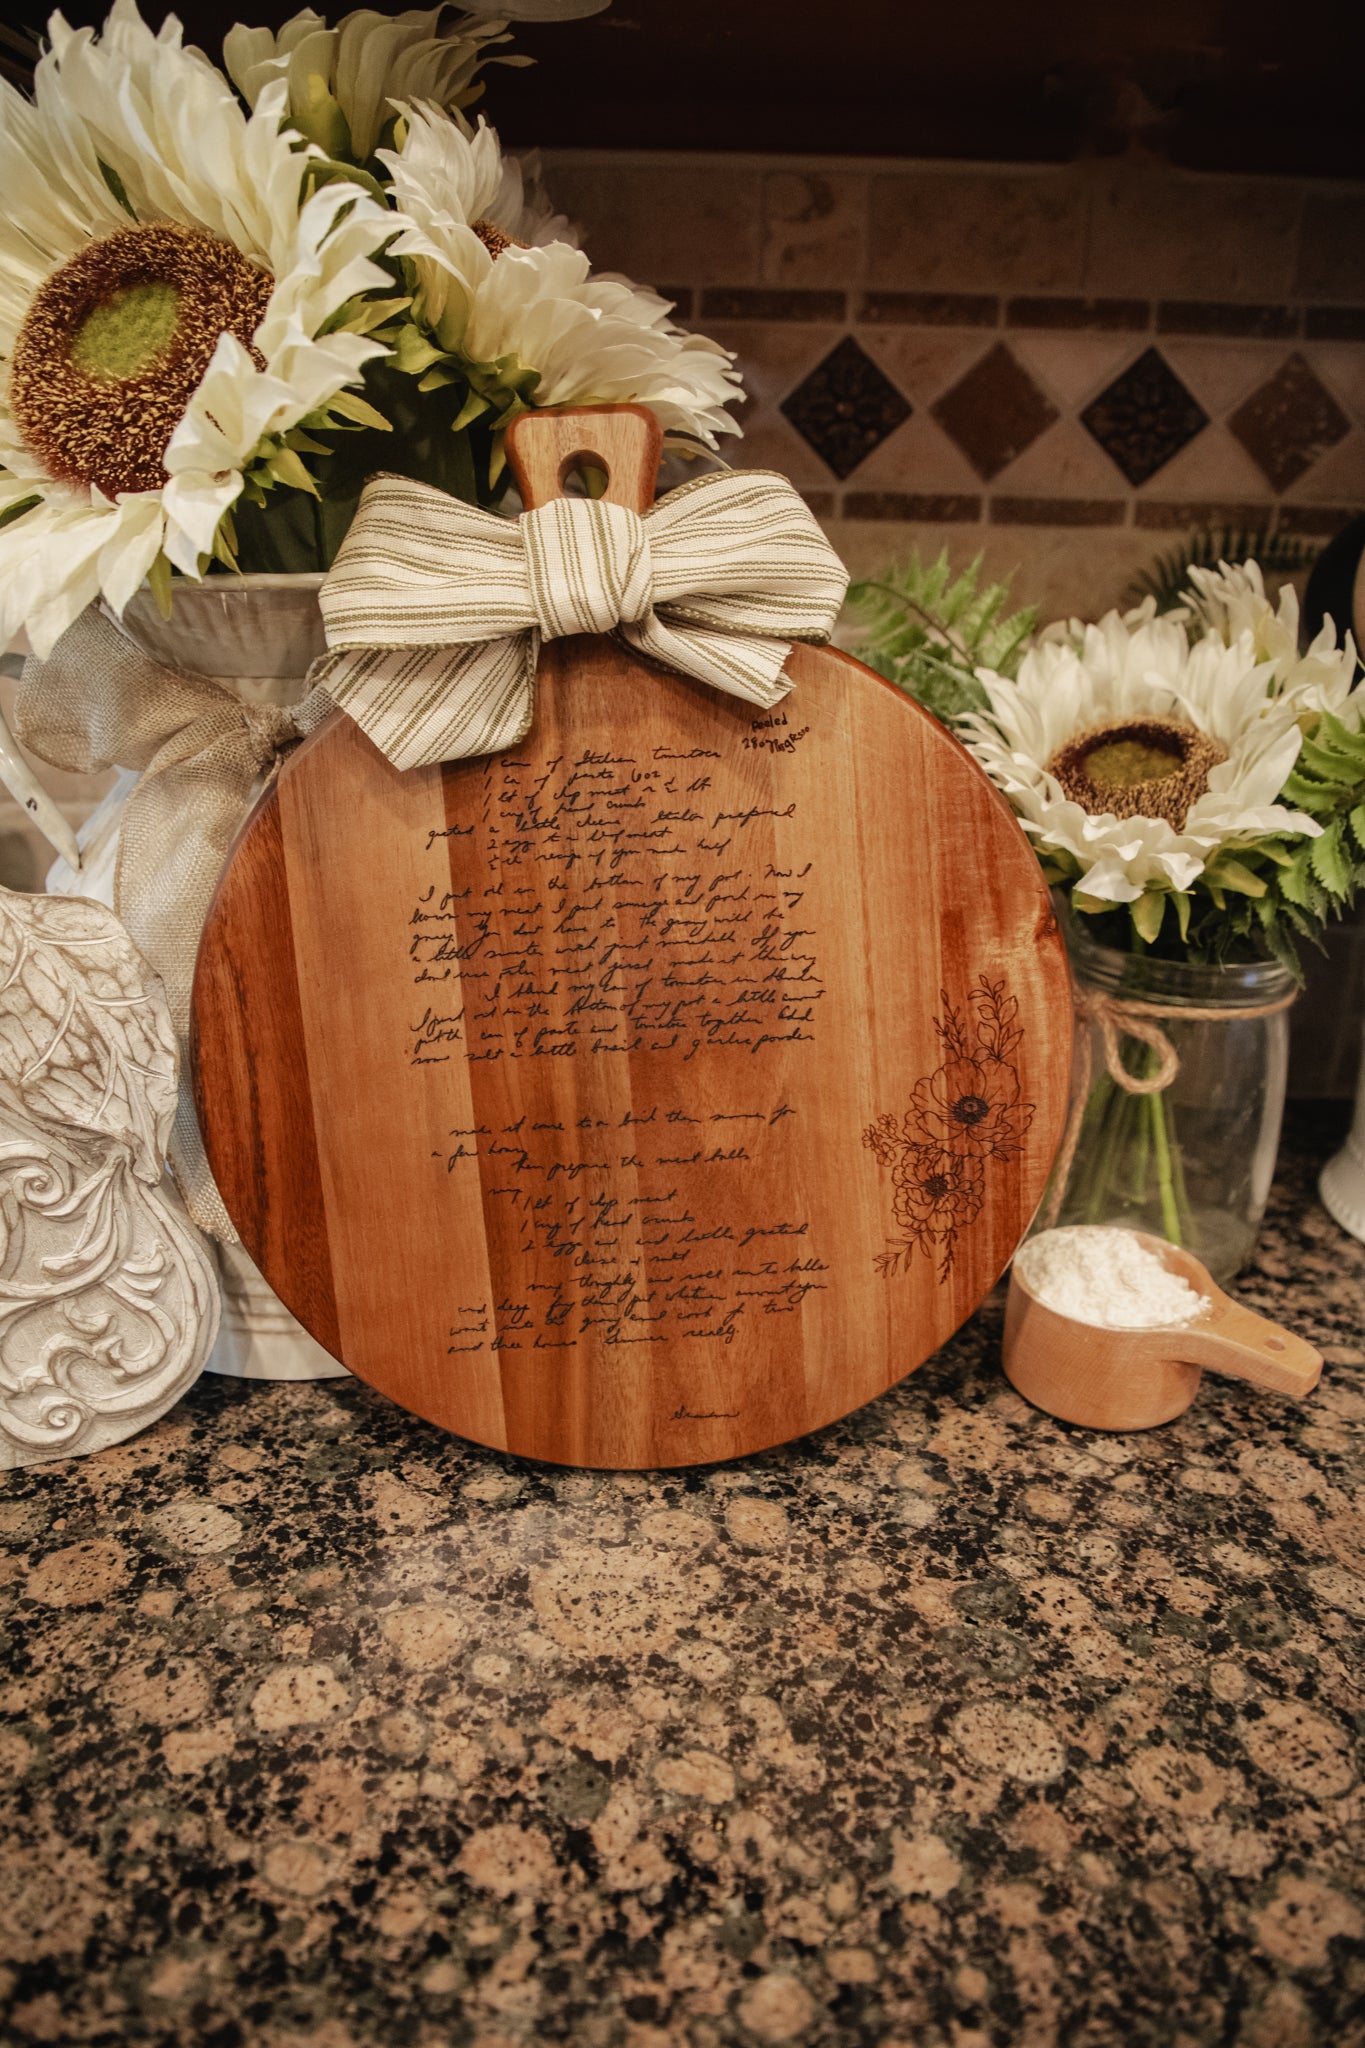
1342, 1183
108, 1299
256, 635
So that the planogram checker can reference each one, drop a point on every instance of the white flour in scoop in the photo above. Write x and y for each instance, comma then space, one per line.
1108, 1277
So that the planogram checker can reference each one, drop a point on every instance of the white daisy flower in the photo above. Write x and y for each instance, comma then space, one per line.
343, 83
1135, 759
1231, 601
522, 310
162, 298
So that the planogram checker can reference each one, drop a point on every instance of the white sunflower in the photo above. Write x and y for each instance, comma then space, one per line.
344, 82
1136, 760
522, 310
165, 283
1230, 601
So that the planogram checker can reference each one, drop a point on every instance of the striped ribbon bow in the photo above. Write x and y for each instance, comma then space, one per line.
435, 610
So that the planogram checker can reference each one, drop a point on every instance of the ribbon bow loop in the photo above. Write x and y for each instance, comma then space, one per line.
435, 610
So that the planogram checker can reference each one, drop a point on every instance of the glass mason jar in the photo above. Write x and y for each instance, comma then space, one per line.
1193, 1161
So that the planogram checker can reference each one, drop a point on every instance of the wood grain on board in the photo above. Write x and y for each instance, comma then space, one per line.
652, 1092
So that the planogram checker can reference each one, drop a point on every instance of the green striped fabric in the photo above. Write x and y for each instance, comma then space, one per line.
435, 610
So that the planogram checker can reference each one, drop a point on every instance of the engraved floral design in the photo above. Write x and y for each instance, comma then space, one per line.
963, 1114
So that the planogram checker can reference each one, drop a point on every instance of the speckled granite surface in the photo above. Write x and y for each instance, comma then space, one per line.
949, 1727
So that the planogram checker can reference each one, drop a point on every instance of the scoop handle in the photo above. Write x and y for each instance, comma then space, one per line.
624, 440
1244, 1346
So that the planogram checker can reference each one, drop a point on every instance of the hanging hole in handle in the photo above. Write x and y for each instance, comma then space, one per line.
584, 475
1274, 1344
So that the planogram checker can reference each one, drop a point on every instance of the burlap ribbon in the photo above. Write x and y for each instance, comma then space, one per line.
99, 702
435, 610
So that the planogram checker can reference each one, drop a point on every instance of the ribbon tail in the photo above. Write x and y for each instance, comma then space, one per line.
424, 704
750, 666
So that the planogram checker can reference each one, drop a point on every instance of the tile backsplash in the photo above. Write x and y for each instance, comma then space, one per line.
1062, 369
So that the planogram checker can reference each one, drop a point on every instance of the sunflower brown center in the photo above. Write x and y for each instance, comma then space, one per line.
1138, 768
494, 239
114, 344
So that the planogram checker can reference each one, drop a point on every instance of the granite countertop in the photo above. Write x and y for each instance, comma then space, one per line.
950, 1727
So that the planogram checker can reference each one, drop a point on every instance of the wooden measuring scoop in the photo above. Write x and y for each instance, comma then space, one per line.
1135, 1378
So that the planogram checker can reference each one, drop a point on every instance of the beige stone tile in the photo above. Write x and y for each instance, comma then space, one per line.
1336, 478
1221, 374
671, 223
1332, 248
1342, 369
1007, 230
1213, 465
774, 355
1156, 232
924, 362
1067, 572
772, 442
919, 456
1064, 462
814, 227
1074, 368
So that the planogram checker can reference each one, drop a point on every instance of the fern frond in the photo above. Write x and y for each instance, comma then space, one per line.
1279, 554
928, 631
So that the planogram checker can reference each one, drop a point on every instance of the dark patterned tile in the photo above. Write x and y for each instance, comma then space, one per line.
1057, 511
1201, 316
995, 412
824, 504
766, 302
929, 309
846, 407
1144, 417
1317, 521
1289, 422
1335, 323
932, 507
1161, 515
1073, 315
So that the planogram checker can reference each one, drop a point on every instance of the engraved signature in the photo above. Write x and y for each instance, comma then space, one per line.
704, 1415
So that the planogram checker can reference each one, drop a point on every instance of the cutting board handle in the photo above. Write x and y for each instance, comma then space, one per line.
544, 448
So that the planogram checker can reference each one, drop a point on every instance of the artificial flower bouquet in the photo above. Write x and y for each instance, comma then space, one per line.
1194, 784
230, 295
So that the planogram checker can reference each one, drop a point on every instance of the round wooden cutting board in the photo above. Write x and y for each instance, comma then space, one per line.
651, 1093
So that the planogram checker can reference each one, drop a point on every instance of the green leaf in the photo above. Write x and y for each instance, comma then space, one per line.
1181, 900
1229, 873
1330, 863
1147, 914
473, 408
159, 583
19, 507
349, 405
286, 465
413, 353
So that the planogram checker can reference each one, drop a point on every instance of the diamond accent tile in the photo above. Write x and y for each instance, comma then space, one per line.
1289, 422
995, 412
846, 407
1145, 417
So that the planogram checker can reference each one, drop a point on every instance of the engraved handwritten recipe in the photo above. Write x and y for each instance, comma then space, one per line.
588, 908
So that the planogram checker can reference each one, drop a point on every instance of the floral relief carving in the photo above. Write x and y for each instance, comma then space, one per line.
108, 1301
962, 1117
